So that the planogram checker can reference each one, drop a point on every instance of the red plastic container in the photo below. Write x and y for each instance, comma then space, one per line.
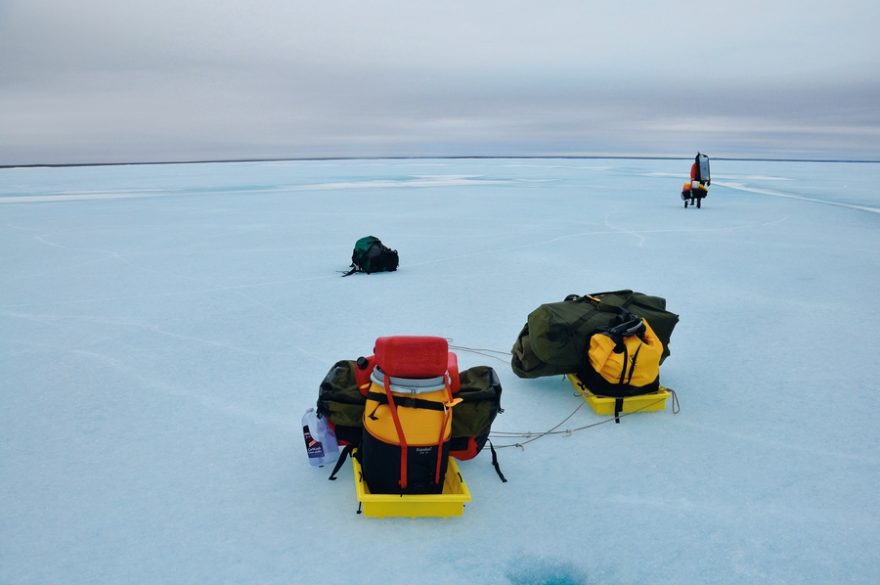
412, 356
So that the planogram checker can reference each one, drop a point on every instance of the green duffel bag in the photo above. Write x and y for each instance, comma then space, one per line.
341, 403
554, 339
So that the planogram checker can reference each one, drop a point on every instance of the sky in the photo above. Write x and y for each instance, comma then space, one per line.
102, 81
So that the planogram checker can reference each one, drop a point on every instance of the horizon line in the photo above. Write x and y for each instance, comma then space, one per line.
420, 157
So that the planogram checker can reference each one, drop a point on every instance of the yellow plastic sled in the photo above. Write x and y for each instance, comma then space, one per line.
448, 503
604, 405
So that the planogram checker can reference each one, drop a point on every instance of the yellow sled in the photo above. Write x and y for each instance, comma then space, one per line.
448, 503
604, 405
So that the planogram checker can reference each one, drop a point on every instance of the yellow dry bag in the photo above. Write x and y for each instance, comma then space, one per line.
623, 359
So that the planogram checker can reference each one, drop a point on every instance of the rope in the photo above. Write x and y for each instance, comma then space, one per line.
490, 353
675, 406
534, 436
531, 436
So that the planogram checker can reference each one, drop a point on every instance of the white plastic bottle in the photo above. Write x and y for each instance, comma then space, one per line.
321, 445
327, 438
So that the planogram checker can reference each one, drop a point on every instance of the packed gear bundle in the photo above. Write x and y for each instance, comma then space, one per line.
697, 188
611, 344
371, 255
405, 409
556, 336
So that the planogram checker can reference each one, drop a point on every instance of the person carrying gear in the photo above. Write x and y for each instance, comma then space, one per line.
693, 191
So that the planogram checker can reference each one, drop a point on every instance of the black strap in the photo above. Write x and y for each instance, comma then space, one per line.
352, 271
495, 462
618, 407
632, 367
346, 451
407, 402
602, 388
623, 349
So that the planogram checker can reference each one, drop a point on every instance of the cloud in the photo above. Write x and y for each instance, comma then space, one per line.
104, 81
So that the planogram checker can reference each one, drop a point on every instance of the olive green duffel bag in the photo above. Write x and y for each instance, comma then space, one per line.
555, 337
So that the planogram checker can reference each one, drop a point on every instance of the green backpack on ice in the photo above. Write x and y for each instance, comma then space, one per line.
371, 255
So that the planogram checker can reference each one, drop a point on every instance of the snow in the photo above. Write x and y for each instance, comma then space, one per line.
164, 327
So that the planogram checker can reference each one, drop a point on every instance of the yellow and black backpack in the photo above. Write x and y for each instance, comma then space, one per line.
405, 409
408, 415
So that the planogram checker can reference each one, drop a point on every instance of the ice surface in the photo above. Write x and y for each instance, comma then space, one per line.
164, 327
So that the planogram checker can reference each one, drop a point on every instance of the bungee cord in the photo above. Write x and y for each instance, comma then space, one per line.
490, 353
531, 436
534, 436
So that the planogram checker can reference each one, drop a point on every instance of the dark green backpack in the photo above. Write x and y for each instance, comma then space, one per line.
555, 337
371, 255
480, 393
341, 403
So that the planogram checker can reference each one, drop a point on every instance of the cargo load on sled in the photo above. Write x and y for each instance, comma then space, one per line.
609, 345
405, 410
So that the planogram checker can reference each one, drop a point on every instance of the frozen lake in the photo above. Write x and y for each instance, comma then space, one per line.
163, 328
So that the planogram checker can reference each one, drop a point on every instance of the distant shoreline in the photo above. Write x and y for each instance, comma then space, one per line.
455, 157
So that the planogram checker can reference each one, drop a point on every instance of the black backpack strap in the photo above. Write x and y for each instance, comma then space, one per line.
352, 271
495, 462
405, 401
346, 451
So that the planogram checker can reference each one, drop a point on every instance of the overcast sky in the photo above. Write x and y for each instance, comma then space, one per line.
166, 80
